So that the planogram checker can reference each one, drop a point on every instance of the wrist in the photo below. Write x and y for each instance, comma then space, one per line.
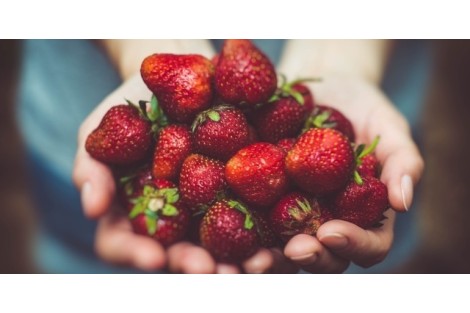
357, 59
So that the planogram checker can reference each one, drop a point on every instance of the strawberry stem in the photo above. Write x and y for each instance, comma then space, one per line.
358, 178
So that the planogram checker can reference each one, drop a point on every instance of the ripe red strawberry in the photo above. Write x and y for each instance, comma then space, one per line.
297, 213
257, 174
132, 186
174, 144
202, 180
281, 119
244, 74
220, 132
327, 117
369, 166
228, 232
183, 84
363, 204
286, 144
285, 114
159, 214
124, 136
321, 161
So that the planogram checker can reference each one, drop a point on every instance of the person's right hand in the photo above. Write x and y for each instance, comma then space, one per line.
115, 241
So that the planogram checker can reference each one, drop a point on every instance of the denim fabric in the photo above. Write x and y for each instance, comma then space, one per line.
63, 80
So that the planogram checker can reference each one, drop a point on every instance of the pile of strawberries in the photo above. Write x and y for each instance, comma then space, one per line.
226, 157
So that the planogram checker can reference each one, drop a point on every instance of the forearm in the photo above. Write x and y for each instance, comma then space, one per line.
321, 58
127, 55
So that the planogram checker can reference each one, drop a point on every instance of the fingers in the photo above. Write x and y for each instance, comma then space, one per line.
116, 243
184, 257
308, 253
402, 162
363, 247
259, 263
95, 182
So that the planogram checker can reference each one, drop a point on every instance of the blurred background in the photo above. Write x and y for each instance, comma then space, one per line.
444, 125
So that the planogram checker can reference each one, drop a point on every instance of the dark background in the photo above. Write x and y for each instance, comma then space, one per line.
443, 210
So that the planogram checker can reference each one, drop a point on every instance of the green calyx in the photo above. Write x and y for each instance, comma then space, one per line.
300, 211
212, 114
151, 111
154, 203
361, 151
248, 224
286, 89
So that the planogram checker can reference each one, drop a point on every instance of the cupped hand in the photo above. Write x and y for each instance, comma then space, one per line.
115, 242
338, 243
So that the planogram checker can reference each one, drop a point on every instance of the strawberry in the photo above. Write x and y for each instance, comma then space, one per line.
124, 136
369, 166
321, 161
361, 204
286, 144
159, 214
174, 144
257, 174
366, 162
228, 232
183, 84
297, 213
327, 117
244, 74
221, 126
202, 181
281, 119
285, 114
132, 186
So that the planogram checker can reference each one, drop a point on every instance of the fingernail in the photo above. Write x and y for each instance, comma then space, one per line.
86, 194
305, 259
335, 240
406, 191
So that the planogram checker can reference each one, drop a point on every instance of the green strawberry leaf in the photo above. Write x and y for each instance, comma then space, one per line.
240, 207
298, 97
295, 213
138, 208
248, 224
169, 210
154, 113
151, 224
359, 150
150, 213
369, 149
320, 119
213, 115
171, 194
148, 190
304, 205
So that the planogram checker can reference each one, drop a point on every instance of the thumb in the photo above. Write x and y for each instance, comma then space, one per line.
363, 247
95, 182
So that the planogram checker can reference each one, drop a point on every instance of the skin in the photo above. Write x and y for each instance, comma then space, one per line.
351, 71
